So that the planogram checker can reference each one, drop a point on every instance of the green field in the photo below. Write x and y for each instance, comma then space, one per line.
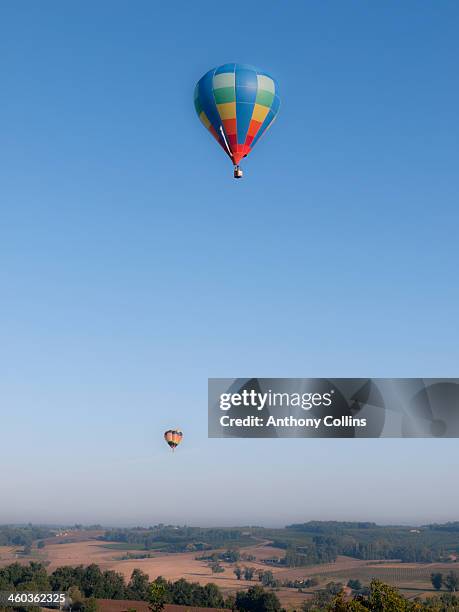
127, 546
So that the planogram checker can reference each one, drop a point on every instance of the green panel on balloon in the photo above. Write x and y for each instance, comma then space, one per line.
224, 94
265, 98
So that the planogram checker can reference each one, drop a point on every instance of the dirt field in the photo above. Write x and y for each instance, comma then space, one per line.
8, 554
412, 578
171, 566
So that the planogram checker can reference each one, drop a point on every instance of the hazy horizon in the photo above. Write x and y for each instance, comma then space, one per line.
240, 482
216, 525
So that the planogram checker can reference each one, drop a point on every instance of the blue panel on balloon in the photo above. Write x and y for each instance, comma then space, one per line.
225, 68
246, 94
275, 105
247, 79
246, 67
244, 115
206, 96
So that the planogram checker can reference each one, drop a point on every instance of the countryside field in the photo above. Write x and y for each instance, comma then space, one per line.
83, 548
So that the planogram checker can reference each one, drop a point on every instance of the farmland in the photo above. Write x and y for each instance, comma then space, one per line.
74, 547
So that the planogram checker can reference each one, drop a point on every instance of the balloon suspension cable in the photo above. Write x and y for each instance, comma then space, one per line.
225, 141
237, 171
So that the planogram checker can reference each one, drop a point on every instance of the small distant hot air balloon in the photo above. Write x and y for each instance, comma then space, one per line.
173, 437
237, 103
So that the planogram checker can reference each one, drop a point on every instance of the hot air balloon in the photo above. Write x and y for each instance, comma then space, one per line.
173, 437
237, 103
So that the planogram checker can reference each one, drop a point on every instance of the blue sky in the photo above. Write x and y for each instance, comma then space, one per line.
133, 267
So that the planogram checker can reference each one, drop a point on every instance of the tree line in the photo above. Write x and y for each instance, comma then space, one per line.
177, 539
320, 542
87, 584
22, 536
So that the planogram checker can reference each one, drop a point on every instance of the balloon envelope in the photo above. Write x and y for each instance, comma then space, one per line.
173, 437
237, 103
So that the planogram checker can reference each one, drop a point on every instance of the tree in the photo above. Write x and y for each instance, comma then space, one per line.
238, 571
211, 596
339, 604
248, 573
355, 585
386, 598
139, 585
90, 605
231, 556
447, 602
182, 592
256, 599
158, 595
114, 586
334, 588
76, 599
216, 567
451, 582
321, 600
92, 581
436, 580
267, 578
382, 598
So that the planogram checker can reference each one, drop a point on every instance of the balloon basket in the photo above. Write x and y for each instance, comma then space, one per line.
238, 172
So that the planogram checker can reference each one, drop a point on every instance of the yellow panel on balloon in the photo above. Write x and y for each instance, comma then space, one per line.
204, 119
259, 113
227, 110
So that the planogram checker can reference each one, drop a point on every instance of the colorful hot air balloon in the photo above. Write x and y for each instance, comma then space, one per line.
173, 437
237, 103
